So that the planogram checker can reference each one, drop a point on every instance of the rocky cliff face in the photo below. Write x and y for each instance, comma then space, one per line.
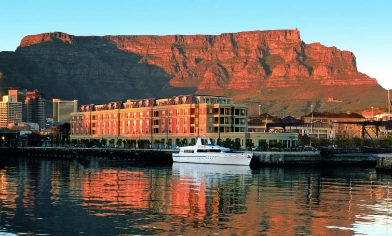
271, 68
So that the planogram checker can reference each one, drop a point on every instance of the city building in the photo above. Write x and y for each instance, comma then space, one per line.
19, 96
35, 108
63, 108
180, 119
332, 125
163, 122
10, 111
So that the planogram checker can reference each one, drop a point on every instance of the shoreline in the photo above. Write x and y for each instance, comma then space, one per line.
381, 161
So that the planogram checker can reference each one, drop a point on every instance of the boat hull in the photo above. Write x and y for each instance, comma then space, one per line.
214, 158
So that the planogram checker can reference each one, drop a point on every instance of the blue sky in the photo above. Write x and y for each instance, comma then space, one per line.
362, 27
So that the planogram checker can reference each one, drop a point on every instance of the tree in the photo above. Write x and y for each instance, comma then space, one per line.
369, 143
345, 142
118, 143
263, 144
184, 142
323, 142
303, 140
104, 141
227, 143
219, 142
249, 144
236, 144
140, 144
279, 145
169, 143
111, 142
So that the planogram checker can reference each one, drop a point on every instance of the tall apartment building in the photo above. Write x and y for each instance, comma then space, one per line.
63, 108
19, 96
180, 118
35, 108
10, 111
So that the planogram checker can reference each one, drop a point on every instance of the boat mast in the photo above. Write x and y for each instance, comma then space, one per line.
389, 106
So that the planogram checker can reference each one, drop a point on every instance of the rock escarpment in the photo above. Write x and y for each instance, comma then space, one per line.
273, 68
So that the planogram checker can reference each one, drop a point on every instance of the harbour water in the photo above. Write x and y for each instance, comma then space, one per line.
101, 197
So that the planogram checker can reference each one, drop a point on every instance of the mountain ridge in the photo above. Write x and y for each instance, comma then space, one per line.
271, 68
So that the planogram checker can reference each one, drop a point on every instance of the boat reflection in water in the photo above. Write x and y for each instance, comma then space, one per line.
209, 192
200, 171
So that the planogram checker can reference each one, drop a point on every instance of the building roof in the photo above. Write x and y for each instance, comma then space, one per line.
333, 115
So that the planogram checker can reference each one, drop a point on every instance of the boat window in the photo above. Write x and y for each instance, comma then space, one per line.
208, 150
189, 151
214, 150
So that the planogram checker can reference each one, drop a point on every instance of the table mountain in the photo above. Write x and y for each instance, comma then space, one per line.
274, 69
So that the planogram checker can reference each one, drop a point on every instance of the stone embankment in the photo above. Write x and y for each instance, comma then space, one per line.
312, 158
158, 156
384, 162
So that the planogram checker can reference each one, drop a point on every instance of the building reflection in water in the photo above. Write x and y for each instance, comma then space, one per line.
191, 198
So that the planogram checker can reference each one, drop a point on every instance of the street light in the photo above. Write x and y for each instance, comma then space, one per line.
259, 110
311, 125
372, 114
266, 121
138, 143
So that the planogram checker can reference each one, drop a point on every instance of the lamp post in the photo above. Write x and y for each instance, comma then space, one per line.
2, 141
372, 114
266, 121
138, 142
259, 110
167, 138
311, 125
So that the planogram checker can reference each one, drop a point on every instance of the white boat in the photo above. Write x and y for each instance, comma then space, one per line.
207, 153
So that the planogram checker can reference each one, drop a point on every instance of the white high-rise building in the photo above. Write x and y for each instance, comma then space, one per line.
10, 111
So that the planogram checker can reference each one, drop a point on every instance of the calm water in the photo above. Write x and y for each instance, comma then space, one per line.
43, 197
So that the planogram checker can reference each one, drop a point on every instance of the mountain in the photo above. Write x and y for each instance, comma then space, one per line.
274, 69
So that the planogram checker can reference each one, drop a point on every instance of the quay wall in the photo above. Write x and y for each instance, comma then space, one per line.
312, 158
163, 156
384, 162
154, 156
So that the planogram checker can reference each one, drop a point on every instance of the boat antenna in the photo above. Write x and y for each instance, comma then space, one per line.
389, 106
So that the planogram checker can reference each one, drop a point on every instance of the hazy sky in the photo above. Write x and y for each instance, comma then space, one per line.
362, 27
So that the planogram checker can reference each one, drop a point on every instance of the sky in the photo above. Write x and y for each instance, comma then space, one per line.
359, 26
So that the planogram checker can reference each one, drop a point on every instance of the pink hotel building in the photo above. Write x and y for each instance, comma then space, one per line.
167, 121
